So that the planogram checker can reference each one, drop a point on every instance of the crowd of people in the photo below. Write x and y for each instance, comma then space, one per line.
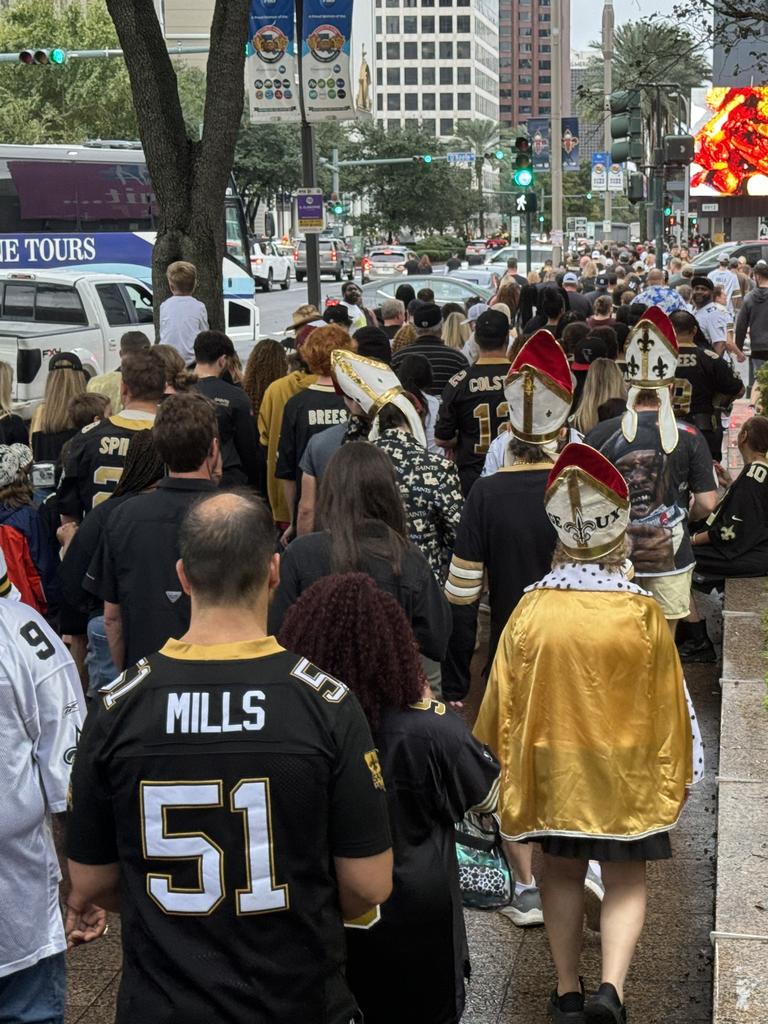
263, 586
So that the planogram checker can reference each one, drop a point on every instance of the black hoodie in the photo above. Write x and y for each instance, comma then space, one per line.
753, 316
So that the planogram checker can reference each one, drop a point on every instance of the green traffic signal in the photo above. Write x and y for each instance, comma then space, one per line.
589, 195
499, 154
667, 211
523, 177
337, 209
541, 218
58, 56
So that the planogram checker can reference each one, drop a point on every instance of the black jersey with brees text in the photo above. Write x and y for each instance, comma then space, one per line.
704, 383
93, 461
224, 780
473, 409
306, 414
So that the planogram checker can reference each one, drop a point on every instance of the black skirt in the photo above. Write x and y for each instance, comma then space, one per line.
656, 847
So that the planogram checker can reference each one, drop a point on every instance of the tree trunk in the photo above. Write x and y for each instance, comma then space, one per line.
190, 178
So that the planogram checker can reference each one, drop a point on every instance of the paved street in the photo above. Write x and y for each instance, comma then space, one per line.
276, 307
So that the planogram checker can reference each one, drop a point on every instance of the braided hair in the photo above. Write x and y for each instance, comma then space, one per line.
143, 466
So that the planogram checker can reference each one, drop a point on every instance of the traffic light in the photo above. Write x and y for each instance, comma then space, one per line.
497, 154
626, 126
636, 187
589, 195
55, 56
425, 159
667, 211
678, 150
523, 176
336, 205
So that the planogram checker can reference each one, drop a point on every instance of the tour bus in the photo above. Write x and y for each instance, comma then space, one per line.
92, 208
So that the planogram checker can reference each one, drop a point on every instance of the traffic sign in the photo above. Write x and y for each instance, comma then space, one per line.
514, 229
310, 210
459, 157
526, 203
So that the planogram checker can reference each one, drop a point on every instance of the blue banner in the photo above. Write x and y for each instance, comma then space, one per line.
271, 68
326, 65
571, 158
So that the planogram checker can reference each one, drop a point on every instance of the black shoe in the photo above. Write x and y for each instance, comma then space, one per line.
604, 1007
697, 650
568, 1008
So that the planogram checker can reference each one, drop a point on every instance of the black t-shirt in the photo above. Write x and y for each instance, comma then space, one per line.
93, 461
48, 447
701, 377
434, 772
79, 555
237, 430
135, 565
660, 486
306, 414
739, 524
474, 408
445, 361
224, 780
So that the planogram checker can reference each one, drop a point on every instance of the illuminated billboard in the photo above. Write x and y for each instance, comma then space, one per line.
731, 157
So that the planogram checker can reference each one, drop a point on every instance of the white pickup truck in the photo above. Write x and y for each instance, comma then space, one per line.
67, 311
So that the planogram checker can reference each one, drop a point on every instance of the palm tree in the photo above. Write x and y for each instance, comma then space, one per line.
481, 136
646, 53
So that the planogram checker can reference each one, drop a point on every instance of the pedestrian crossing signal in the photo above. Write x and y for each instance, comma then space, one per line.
526, 203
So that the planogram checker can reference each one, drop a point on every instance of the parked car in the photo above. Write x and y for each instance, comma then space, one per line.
45, 312
446, 287
269, 266
384, 261
496, 243
485, 276
476, 251
705, 262
539, 255
335, 259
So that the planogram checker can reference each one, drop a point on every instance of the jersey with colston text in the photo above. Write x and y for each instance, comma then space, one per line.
474, 410
94, 461
41, 711
224, 780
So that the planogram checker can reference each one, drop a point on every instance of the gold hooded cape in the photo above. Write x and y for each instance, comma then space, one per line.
585, 709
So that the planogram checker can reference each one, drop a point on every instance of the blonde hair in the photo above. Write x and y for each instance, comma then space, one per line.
604, 380
61, 387
404, 337
453, 333
533, 277
589, 269
6, 387
182, 276
177, 377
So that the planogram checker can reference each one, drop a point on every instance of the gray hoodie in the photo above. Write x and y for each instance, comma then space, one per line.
753, 317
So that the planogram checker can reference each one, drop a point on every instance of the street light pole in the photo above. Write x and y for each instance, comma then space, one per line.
309, 180
556, 134
608, 25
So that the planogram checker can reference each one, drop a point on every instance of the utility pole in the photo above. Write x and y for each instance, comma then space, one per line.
658, 179
608, 25
556, 131
309, 180
335, 185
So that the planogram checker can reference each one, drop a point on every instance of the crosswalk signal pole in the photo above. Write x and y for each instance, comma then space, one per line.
527, 241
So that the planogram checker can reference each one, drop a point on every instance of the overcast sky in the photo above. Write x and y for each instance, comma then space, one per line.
587, 17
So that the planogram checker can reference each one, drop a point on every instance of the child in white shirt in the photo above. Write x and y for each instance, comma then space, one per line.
182, 317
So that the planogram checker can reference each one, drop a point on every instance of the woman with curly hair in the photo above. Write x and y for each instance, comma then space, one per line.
266, 363
416, 955
404, 337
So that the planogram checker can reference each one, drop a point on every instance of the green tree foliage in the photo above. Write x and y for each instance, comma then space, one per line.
481, 136
84, 99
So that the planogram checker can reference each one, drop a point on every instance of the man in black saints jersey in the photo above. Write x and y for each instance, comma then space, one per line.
705, 383
95, 457
231, 792
473, 410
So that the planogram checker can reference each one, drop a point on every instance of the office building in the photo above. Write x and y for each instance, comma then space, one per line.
437, 63
525, 59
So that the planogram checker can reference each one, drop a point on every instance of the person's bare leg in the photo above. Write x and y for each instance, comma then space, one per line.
520, 859
622, 918
562, 897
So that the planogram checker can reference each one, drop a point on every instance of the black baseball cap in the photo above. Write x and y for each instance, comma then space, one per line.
492, 325
427, 315
587, 351
65, 361
702, 282
338, 314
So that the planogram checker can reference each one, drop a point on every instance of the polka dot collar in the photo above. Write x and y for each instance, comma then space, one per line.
589, 576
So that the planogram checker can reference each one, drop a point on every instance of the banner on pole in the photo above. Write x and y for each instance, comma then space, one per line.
571, 154
326, 65
271, 68
538, 130
599, 172
616, 178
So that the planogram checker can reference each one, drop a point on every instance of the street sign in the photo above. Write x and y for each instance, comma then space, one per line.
310, 211
458, 157
580, 226
556, 238
526, 203
710, 207
607, 227
514, 228
599, 181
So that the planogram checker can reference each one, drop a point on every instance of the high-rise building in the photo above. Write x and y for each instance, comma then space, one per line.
437, 64
525, 59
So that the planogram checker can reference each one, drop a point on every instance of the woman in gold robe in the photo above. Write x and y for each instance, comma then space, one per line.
586, 710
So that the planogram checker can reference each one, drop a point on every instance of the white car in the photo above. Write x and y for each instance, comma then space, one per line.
269, 266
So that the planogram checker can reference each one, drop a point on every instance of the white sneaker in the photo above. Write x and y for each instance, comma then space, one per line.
525, 909
594, 891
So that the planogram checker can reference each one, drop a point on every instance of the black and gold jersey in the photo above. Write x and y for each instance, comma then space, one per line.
739, 524
704, 384
224, 780
93, 462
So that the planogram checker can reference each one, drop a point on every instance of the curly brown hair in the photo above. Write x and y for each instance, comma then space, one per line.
404, 337
266, 363
358, 633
